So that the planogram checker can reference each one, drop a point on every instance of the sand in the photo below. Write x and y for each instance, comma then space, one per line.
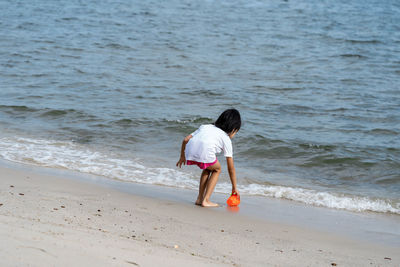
47, 220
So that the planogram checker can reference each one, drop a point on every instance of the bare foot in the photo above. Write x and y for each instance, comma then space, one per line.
209, 204
199, 201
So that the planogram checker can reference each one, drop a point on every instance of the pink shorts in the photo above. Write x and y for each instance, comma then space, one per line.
201, 164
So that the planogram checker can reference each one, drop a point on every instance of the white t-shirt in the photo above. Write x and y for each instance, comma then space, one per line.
207, 141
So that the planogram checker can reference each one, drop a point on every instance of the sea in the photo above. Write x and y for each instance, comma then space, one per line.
111, 88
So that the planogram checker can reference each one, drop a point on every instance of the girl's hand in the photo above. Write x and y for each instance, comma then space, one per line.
181, 161
235, 191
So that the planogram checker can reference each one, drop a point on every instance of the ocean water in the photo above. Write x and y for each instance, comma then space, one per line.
112, 87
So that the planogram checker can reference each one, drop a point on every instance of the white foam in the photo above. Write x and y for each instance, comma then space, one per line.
324, 199
72, 156
81, 158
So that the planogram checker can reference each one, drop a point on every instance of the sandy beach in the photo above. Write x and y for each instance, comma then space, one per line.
48, 220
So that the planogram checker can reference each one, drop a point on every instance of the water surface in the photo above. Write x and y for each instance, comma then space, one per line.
112, 87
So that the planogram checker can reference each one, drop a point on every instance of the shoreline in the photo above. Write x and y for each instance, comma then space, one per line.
56, 217
101, 161
372, 227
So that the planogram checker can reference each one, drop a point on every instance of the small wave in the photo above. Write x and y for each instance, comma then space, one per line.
47, 113
297, 109
56, 113
353, 56
176, 66
30, 97
331, 160
73, 49
350, 81
388, 180
79, 71
101, 125
354, 41
196, 120
178, 125
282, 152
43, 41
20, 55
125, 123
260, 140
39, 75
78, 157
184, 126
70, 56
324, 199
318, 147
284, 88
380, 131
7, 108
147, 13
204, 92
118, 46
69, 18
26, 25
342, 110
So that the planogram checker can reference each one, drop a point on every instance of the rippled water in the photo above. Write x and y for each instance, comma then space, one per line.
112, 87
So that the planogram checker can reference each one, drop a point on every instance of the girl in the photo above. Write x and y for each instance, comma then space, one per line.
200, 147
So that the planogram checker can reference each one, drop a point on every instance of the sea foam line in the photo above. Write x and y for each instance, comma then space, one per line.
76, 157
324, 199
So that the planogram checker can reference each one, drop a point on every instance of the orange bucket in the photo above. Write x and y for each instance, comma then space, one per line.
233, 200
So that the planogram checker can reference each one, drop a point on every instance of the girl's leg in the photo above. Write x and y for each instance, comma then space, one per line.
210, 185
202, 187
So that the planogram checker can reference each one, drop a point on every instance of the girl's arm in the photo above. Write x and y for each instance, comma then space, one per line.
182, 159
232, 173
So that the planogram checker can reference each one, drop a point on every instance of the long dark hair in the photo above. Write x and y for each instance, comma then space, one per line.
229, 121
